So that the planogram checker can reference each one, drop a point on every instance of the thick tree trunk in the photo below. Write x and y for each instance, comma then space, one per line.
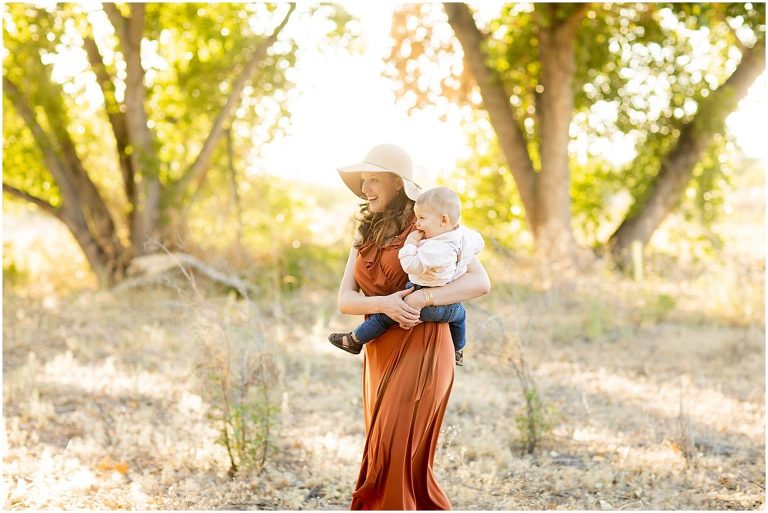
108, 262
677, 168
92, 223
552, 231
545, 195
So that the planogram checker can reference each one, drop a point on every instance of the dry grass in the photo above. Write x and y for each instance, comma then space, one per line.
660, 402
103, 410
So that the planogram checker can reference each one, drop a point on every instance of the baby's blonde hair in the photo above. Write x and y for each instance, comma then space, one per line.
443, 201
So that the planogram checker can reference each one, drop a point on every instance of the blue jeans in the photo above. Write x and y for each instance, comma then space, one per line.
455, 315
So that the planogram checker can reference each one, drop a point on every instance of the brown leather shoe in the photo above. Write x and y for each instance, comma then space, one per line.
346, 342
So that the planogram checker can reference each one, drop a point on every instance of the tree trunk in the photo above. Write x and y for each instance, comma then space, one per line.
545, 195
145, 226
92, 223
109, 263
552, 230
677, 168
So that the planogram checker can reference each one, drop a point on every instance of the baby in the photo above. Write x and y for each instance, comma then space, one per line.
436, 253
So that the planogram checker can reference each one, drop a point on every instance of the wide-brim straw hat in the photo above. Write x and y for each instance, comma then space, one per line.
384, 158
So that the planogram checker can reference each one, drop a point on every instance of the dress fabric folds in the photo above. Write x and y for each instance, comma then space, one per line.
407, 380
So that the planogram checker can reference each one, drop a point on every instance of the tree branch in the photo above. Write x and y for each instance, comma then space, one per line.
116, 118
197, 170
135, 25
44, 205
142, 157
235, 194
136, 115
53, 161
676, 169
102, 76
84, 208
119, 23
573, 20
496, 101
73, 165
742, 48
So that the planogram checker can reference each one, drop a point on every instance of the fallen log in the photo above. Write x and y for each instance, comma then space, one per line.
154, 269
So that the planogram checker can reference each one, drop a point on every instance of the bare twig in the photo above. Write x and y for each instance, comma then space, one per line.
759, 485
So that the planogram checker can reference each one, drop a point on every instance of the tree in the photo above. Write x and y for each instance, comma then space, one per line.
169, 81
533, 67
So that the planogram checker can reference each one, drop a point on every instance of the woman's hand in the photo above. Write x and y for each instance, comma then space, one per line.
474, 283
400, 311
417, 302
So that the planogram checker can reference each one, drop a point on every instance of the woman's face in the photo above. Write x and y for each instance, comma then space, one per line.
379, 189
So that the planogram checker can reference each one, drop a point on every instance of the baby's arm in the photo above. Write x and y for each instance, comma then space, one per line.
430, 254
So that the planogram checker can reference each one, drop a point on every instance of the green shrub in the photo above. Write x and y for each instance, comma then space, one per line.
240, 381
656, 307
13, 273
598, 320
535, 421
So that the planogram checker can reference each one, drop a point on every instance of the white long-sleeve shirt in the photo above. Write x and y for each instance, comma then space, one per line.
441, 259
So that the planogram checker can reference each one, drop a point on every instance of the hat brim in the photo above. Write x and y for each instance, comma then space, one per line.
351, 175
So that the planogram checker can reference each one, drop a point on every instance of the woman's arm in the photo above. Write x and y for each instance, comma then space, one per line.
353, 302
474, 283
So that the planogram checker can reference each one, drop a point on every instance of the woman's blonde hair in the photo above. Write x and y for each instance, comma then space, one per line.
380, 227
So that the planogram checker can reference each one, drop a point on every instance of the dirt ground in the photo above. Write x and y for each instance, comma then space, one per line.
653, 406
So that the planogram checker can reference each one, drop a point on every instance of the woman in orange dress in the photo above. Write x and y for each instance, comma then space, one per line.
408, 371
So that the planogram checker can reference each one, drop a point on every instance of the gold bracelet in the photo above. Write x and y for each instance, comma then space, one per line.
428, 299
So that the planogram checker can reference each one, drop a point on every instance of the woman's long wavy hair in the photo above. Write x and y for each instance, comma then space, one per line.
380, 227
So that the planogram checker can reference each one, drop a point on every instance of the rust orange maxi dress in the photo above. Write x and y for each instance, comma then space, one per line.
407, 380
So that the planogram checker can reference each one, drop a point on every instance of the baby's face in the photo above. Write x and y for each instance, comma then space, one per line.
430, 222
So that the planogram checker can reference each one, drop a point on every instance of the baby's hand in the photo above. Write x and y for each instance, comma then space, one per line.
414, 237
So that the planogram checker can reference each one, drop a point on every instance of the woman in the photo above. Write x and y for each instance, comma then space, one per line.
408, 371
